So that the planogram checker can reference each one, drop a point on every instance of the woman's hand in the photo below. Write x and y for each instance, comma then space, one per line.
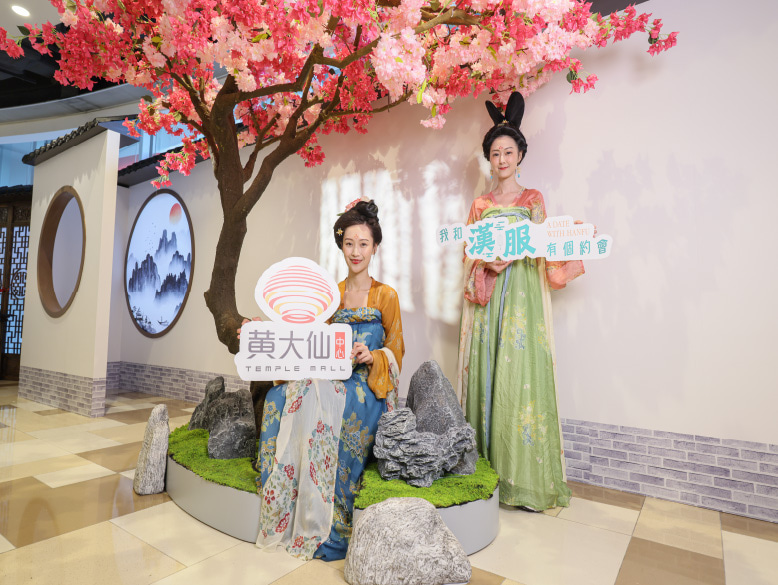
498, 266
247, 321
361, 354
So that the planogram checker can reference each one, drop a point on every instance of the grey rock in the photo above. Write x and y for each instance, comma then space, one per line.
437, 410
152, 459
213, 390
232, 432
416, 457
403, 541
431, 437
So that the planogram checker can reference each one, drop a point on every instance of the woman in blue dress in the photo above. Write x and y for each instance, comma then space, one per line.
317, 435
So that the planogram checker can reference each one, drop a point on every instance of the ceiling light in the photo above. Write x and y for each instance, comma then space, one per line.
21, 11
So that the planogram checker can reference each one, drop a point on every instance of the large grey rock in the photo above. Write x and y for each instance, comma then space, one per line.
431, 437
232, 431
213, 390
434, 402
418, 458
403, 541
152, 459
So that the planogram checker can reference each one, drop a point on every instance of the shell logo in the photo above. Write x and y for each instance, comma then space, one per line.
297, 290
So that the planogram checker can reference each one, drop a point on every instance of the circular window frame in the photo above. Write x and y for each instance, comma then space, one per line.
172, 324
48, 237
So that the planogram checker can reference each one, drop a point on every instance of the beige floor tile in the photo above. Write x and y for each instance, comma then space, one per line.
243, 564
605, 495
119, 458
98, 555
511, 582
129, 474
188, 409
55, 479
118, 407
37, 512
693, 529
51, 411
314, 573
81, 442
553, 511
652, 563
179, 421
539, 549
5, 545
66, 432
174, 532
749, 527
26, 451
29, 405
749, 560
32, 468
600, 515
12, 435
124, 433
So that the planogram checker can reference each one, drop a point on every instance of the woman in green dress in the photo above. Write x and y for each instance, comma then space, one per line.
506, 352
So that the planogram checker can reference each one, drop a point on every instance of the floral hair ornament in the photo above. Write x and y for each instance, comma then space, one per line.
514, 111
351, 205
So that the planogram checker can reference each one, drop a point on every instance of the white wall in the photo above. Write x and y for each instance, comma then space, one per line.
75, 343
671, 155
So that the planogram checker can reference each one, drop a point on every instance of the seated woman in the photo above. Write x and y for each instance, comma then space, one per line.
317, 435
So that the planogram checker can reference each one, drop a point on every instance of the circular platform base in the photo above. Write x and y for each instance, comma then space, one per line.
236, 512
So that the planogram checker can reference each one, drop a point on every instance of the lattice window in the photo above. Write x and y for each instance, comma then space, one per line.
16, 288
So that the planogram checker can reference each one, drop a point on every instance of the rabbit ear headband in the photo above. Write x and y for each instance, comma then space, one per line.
514, 111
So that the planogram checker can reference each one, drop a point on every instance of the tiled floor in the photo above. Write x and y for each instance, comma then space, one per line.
68, 515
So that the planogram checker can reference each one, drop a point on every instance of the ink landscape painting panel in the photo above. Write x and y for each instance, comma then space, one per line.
159, 263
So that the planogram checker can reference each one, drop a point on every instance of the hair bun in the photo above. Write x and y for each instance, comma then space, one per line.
367, 209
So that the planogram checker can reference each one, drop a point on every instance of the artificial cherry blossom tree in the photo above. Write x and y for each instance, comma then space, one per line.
271, 75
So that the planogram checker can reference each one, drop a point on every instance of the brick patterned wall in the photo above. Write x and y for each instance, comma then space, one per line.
739, 477
85, 396
177, 383
113, 377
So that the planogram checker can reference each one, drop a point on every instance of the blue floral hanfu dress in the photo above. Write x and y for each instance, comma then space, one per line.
317, 435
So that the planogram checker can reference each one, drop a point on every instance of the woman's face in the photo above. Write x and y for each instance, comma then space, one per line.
504, 157
358, 247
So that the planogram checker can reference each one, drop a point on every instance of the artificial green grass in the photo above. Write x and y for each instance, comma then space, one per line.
449, 490
190, 449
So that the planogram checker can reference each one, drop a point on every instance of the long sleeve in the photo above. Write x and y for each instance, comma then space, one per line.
387, 362
479, 281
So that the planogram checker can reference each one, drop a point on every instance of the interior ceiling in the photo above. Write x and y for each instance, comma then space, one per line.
30, 79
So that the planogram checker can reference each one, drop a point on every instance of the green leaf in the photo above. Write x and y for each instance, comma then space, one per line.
571, 76
260, 37
24, 30
398, 59
493, 51
420, 93
71, 5
434, 110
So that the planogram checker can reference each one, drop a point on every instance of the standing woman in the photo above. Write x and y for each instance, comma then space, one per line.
317, 435
506, 347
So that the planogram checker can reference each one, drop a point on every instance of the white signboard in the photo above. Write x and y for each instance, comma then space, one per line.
557, 238
298, 296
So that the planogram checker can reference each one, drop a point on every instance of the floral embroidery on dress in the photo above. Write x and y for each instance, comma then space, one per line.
355, 437
281, 491
542, 338
322, 454
266, 451
532, 425
271, 414
517, 329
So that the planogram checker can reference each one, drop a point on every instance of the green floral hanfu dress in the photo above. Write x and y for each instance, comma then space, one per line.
506, 381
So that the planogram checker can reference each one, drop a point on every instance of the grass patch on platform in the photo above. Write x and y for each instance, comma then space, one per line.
450, 490
190, 449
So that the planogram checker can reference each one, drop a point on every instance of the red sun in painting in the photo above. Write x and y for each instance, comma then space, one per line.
175, 213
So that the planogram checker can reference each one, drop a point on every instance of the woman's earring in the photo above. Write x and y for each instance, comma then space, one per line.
518, 171
491, 175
